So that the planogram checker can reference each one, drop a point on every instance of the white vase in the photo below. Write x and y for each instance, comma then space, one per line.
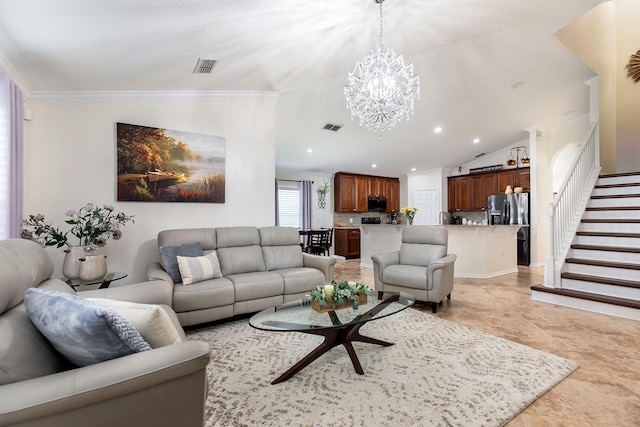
92, 267
509, 190
71, 263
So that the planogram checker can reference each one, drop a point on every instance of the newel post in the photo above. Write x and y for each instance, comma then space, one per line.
550, 267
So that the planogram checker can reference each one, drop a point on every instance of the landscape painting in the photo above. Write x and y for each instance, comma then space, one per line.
162, 165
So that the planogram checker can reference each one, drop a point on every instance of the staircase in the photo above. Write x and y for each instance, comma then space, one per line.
601, 272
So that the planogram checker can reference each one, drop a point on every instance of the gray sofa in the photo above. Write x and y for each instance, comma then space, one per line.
165, 386
261, 268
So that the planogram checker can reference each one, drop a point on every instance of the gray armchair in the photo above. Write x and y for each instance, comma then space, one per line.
164, 386
421, 267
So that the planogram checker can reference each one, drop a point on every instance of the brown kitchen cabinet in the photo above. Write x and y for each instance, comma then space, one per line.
352, 190
482, 186
347, 242
375, 186
471, 192
519, 177
392, 193
350, 193
458, 189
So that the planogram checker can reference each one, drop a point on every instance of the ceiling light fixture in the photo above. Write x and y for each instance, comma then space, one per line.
437, 129
381, 88
476, 140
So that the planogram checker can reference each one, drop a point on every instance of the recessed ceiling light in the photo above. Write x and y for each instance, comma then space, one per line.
437, 129
413, 169
309, 150
476, 140
374, 165
517, 85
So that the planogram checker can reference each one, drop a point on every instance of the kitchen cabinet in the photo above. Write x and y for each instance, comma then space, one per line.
392, 193
347, 242
458, 189
482, 186
471, 192
515, 178
350, 193
524, 179
352, 190
375, 186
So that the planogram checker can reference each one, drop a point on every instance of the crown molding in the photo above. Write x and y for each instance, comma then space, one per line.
93, 96
7, 67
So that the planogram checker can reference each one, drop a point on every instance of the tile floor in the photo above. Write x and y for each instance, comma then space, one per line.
603, 392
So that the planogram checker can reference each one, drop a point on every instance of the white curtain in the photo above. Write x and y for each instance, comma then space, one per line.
11, 158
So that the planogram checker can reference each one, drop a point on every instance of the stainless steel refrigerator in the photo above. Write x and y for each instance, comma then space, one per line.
513, 209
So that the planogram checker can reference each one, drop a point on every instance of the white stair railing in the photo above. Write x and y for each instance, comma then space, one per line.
569, 204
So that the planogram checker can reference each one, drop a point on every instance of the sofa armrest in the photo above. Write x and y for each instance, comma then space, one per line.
322, 263
156, 272
153, 292
441, 263
99, 389
380, 262
440, 274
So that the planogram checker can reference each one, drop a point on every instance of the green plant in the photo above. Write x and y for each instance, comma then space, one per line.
336, 293
324, 188
93, 225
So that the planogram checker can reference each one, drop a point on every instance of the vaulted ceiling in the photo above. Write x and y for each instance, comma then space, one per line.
489, 69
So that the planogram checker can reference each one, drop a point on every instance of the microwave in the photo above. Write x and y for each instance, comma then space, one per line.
376, 204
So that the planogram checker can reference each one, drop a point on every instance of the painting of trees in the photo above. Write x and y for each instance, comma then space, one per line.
156, 164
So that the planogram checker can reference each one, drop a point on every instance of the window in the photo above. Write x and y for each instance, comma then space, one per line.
289, 203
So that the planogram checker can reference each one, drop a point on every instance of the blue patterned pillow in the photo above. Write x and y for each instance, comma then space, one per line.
170, 257
82, 331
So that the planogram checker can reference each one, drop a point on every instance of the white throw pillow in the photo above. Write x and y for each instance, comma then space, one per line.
197, 269
151, 321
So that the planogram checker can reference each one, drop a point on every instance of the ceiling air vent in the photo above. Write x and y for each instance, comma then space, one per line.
332, 126
204, 66
480, 155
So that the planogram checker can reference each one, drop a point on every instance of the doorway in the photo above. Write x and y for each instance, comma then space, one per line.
428, 206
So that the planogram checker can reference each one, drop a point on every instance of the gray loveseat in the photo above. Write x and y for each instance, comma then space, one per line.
261, 268
165, 386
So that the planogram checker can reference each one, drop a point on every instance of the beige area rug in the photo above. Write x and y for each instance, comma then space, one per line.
438, 373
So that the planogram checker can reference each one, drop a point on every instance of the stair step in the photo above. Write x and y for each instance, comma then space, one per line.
610, 264
612, 208
612, 220
626, 184
615, 175
623, 302
615, 196
607, 234
603, 280
606, 248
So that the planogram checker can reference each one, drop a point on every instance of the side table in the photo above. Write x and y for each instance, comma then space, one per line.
104, 282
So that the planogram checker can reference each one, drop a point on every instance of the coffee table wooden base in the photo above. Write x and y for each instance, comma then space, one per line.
333, 337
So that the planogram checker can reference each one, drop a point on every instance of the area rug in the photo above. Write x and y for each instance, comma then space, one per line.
438, 373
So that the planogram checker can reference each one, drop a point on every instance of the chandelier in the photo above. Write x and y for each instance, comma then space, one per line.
381, 88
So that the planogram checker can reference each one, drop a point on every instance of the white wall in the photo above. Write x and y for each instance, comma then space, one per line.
70, 149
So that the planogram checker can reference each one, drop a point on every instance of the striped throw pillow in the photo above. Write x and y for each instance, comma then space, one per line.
197, 269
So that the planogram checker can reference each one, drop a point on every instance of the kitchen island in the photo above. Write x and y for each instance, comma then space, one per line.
483, 251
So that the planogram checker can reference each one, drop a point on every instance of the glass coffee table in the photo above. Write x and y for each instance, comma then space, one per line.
338, 327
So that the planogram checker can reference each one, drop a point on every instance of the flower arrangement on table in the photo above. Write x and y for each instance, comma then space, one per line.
337, 295
410, 213
92, 225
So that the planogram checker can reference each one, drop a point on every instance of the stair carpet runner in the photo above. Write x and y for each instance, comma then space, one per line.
603, 264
